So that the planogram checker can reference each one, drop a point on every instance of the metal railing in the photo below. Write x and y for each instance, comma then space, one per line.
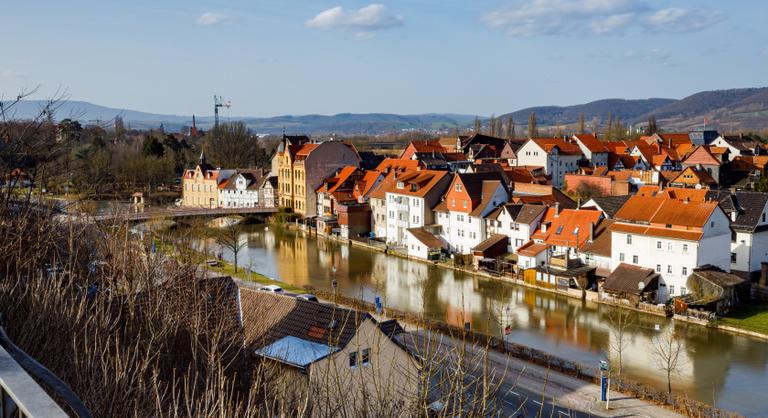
21, 396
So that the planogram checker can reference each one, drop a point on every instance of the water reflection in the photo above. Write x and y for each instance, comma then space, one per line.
728, 368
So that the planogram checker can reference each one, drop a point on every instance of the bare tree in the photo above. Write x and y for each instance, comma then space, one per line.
229, 238
582, 124
621, 321
666, 352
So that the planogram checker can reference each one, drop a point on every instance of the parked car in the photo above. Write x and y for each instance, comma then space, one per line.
272, 288
308, 297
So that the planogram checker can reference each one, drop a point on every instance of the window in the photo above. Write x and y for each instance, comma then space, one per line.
669, 268
685, 248
669, 246
685, 272
465, 203
634, 259
671, 290
711, 224
621, 256
366, 356
658, 268
559, 230
658, 245
733, 257
458, 187
629, 239
683, 291
353, 359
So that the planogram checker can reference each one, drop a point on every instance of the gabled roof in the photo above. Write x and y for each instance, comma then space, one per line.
701, 155
748, 206
426, 237
601, 241
565, 146
397, 164
531, 249
569, 227
693, 176
634, 280
651, 210
610, 204
473, 183
591, 142
488, 189
415, 183
305, 150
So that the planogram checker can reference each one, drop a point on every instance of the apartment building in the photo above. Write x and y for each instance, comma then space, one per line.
517, 221
410, 197
200, 186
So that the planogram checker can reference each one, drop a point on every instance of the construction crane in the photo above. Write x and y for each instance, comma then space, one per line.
218, 102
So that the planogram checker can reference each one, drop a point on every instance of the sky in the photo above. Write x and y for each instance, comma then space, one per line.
476, 57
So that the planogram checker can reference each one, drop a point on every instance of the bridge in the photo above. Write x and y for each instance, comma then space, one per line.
181, 212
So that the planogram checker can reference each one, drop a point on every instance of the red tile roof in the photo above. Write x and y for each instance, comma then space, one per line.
569, 228
651, 210
565, 146
701, 155
591, 142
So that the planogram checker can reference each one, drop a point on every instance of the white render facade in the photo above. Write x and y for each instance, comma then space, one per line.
555, 163
673, 258
462, 230
241, 196
378, 217
519, 233
405, 212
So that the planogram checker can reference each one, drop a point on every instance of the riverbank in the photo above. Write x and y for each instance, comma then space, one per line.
752, 323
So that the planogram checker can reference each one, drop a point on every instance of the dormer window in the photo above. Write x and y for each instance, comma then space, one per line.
414, 187
559, 230
400, 185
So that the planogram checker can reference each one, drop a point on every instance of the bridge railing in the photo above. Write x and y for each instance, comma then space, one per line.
21, 396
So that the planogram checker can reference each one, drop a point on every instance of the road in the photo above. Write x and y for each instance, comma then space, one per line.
523, 389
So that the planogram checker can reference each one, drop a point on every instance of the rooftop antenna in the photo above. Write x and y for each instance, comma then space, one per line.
218, 102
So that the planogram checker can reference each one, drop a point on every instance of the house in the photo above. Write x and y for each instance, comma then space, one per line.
558, 156
517, 221
423, 244
593, 149
268, 191
302, 169
566, 232
541, 194
739, 145
694, 177
631, 284
461, 214
596, 251
432, 155
708, 159
609, 205
338, 360
672, 237
241, 190
200, 186
748, 212
410, 198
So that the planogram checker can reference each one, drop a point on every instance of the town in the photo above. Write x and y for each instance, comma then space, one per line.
668, 223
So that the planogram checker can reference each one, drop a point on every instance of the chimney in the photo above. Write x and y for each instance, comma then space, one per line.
733, 216
591, 232
557, 209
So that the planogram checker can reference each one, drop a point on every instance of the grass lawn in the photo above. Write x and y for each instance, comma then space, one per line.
228, 269
752, 318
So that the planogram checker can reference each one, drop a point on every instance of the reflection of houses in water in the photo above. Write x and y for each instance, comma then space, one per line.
293, 261
404, 281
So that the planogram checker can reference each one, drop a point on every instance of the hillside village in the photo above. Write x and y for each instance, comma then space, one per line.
667, 223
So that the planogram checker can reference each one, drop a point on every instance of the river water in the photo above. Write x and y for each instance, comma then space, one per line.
730, 369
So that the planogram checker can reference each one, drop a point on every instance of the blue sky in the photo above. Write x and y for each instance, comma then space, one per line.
274, 57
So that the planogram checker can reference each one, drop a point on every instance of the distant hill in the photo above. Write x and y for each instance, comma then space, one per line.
626, 110
727, 110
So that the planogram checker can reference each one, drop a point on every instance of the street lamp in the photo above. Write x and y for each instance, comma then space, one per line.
605, 382
334, 284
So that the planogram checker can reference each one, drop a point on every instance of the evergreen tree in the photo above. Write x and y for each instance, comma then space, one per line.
533, 130
651, 128
152, 147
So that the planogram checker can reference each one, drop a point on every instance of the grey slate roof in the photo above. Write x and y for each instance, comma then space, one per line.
748, 205
611, 204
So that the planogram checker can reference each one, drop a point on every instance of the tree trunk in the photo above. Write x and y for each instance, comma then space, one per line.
669, 382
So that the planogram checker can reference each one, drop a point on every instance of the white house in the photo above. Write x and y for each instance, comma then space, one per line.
461, 215
748, 212
672, 237
410, 198
739, 145
517, 221
593, 149
268, 192
556, 155
422, 244
241, 190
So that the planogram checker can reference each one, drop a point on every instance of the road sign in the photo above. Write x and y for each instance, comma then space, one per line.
604, 388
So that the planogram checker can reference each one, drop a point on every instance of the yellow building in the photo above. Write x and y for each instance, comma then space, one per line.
200, 186
303, 166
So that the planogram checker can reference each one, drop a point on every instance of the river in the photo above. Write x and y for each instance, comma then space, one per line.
730, 369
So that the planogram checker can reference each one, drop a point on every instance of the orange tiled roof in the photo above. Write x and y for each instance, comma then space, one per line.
701, 155
531, 249
693, 176
344, 174
657, 231
365, 184
305, 150
565, 147
569, 228
591, 142
423, 180
653, 211
397, 164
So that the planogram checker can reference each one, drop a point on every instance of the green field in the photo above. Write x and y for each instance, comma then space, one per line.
751, 318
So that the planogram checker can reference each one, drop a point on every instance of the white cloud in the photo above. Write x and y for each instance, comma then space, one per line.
362, 22
676, 19
527, 18
210, 19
